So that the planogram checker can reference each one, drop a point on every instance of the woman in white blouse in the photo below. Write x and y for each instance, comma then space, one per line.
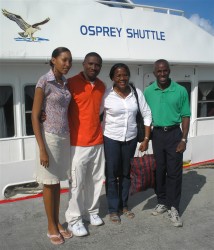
120, 138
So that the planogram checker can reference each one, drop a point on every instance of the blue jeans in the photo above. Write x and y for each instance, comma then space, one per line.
118, 155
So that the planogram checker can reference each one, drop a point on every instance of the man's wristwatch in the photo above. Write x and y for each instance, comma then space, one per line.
184, 140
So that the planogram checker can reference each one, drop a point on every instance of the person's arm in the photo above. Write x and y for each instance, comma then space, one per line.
36, 112
145, 143
147, 116
185, 129
102, 106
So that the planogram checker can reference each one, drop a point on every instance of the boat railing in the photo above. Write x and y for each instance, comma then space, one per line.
17, 137
144, 7
194, 123
21, 148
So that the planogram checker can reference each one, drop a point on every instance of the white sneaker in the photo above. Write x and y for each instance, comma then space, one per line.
159, 209
78, 229
174, 217
95, 220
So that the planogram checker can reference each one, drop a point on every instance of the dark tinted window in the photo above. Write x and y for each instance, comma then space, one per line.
6, 112
29, 95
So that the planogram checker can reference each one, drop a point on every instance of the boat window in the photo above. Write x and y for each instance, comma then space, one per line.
187, 86
6, 112
29, 95
205, 99
116, 3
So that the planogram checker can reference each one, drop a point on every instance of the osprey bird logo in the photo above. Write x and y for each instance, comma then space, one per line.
29, 30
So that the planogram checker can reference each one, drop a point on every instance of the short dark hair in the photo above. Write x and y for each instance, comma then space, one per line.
116, 66
57, 52
161, 61
94, 54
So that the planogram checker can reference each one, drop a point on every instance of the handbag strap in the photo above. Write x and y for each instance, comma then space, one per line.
136, 95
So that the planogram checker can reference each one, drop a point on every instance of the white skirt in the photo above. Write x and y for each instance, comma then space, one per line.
58, 149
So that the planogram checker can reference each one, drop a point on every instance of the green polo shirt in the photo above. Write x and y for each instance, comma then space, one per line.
168, 106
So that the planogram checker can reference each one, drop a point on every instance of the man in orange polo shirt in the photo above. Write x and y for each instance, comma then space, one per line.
87, 152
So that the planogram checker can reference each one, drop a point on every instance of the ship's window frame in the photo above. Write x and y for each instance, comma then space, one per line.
7, 111
205, 99
28, 102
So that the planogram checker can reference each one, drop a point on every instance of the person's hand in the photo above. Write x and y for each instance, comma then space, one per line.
144, 145
42, 116
44, 159
181, 147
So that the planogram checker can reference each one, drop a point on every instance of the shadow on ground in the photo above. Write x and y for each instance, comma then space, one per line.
192, 184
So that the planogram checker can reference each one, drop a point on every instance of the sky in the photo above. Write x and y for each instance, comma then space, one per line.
200, 12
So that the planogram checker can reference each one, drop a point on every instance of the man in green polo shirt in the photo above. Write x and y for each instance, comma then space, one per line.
169, 104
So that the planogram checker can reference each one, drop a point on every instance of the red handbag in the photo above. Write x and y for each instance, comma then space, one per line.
142, 173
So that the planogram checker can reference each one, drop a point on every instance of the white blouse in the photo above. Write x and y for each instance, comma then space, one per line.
119, 121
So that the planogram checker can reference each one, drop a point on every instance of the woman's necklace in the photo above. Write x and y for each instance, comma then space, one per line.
59, 80
122, 94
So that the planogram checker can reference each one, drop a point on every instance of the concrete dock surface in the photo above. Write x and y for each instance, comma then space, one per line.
23, 224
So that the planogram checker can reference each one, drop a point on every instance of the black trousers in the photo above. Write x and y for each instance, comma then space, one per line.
169, 166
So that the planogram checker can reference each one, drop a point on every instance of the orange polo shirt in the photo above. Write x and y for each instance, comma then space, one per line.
84, 111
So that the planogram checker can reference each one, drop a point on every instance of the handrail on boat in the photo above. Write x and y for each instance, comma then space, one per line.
156, 9
13, 138
194, 123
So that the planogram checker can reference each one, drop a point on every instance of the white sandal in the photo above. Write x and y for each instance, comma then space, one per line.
59, 240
